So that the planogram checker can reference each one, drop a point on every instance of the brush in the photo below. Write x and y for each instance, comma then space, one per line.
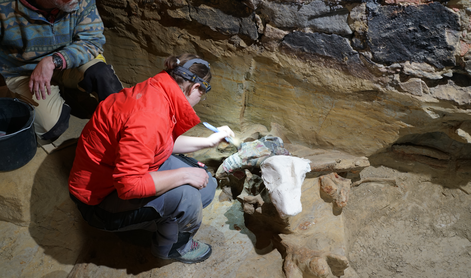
234, 141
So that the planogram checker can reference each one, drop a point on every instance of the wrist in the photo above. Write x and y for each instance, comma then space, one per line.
57, 60
213, 140
185, 178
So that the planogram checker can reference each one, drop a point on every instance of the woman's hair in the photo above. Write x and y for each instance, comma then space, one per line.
200, 70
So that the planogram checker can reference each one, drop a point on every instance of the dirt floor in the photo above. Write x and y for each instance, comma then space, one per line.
420, 227
414, 221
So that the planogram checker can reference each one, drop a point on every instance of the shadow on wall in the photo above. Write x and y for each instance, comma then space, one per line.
59, 229
447, 162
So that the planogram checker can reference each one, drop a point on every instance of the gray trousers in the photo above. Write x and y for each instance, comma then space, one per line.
174, 217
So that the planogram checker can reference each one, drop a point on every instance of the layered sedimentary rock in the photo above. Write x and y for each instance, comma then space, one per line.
349, 75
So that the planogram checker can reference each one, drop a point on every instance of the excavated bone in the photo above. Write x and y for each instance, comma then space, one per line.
283, 177
302, 262
328, 161
386, 180
336, 187
253, 204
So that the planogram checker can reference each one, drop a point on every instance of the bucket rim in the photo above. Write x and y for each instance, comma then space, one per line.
28, 124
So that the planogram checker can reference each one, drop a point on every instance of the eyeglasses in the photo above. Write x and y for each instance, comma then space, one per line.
203, 96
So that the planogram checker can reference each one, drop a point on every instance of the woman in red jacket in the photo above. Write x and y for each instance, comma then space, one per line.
124, 175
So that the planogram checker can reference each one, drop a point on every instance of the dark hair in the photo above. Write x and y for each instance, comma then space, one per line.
199, 69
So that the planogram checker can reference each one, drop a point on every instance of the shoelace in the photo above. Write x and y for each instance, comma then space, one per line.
194, 245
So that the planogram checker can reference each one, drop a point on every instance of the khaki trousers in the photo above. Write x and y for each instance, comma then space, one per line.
47, 110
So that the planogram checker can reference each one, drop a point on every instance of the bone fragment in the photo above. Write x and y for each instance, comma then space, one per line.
336, 187
387, 180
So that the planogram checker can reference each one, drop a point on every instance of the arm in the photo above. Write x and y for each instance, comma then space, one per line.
166, 180
187, 144
135, 182
88, 38
136, 154
138, 140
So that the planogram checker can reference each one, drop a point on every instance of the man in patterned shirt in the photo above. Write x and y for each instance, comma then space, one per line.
48, 45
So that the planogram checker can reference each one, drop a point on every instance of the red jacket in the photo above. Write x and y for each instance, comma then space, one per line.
130, 134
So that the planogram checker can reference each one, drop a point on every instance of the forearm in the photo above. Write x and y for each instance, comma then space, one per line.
169, 179
187, 144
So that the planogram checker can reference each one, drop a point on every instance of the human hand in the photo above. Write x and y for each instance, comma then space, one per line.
40, 80
217, 137
196, 177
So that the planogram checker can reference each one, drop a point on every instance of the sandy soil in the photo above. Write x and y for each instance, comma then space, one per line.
419, 228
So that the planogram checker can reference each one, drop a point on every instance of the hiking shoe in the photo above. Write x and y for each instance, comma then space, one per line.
199, 252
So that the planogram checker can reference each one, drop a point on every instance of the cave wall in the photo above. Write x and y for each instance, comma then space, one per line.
355, 75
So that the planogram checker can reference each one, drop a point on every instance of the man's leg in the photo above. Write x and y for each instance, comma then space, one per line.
51, 114
95, 77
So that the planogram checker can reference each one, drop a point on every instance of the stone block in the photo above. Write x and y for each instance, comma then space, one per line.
15, 191
398, 34
317, 15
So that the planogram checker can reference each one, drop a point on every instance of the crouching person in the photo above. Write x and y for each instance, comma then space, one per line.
126, 175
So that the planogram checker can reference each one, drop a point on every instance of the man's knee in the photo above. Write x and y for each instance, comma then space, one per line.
100, 79
61, 125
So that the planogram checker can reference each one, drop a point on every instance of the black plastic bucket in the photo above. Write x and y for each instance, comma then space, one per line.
17, 137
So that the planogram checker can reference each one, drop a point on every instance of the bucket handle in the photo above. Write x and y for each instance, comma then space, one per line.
30, 124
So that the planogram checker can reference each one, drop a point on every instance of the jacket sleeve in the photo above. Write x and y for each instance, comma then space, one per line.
88, 38
137, 146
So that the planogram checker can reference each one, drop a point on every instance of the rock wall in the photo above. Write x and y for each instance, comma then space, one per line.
354, 75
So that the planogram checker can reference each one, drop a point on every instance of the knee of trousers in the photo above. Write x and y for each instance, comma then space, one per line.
61, 125
209, 192
184, 205
100, 79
